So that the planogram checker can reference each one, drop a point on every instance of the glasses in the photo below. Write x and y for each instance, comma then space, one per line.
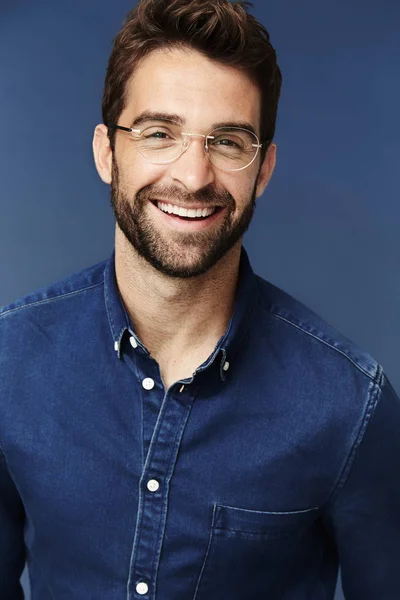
228, 148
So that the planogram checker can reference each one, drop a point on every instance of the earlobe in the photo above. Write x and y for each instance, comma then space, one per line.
266, 170
102, 153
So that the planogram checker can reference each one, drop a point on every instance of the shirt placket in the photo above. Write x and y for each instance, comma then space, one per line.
154, 488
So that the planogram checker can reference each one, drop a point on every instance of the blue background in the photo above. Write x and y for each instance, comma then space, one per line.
326, 230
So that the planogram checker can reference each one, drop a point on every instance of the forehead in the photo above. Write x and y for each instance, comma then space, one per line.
200, 90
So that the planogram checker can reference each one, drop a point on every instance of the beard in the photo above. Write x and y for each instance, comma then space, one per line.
175, 253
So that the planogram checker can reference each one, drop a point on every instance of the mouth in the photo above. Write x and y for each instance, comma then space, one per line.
194, 214
186, 220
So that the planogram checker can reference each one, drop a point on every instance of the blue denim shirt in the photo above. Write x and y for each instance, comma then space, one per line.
278, 460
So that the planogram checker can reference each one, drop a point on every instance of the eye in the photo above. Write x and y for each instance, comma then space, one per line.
226, 142
157, 135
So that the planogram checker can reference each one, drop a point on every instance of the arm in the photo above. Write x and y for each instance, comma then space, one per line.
12, 549
363, 517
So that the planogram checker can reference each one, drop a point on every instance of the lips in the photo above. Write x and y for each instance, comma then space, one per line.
189, 212
183, 221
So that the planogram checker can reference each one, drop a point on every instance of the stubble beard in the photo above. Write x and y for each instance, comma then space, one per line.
184, 255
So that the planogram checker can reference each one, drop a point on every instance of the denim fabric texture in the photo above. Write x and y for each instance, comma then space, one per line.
278, 460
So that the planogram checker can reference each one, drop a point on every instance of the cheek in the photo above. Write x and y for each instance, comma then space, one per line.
242, 191
138, 173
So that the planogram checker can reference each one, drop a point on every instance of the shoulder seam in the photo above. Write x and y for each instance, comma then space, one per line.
320, 340
50, 299
375, 392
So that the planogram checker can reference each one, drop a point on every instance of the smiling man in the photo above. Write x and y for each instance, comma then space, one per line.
185, 168
172, 426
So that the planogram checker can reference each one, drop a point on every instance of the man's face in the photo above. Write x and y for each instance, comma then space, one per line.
201, 93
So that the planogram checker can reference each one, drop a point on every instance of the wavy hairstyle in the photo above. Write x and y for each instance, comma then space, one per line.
221, 30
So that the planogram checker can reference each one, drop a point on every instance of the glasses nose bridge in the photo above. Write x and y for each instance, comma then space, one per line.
187, 138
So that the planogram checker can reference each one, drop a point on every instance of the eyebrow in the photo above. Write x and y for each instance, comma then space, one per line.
147, 116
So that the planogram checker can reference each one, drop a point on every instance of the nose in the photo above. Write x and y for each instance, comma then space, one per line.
193, 169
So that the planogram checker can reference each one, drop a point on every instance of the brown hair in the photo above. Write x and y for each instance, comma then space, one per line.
221, 30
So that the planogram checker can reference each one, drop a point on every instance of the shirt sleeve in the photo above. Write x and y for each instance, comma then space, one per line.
364, 516
12, 548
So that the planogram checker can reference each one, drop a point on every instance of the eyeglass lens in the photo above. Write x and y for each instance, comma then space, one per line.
228, 148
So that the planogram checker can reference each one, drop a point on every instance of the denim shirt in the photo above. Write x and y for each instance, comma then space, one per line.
255, 479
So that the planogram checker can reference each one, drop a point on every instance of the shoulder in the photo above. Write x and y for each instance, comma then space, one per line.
301, 323
56, 295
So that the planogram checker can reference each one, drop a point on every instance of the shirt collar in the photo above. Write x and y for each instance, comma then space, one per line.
229, 343
245, 303
118, 318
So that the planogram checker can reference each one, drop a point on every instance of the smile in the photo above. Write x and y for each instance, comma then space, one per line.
187, 219
186, 213
192, 213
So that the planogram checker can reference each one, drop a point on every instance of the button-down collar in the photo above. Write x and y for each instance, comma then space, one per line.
245, 301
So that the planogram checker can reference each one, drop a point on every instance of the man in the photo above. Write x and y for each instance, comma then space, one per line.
172, 426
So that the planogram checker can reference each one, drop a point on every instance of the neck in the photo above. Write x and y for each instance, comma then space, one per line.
174, 316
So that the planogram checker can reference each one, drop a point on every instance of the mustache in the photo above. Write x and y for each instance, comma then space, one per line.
207, 195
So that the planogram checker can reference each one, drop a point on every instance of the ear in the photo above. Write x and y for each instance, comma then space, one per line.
266, 170
102, 153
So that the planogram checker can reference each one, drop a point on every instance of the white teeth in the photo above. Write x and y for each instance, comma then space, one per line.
184, 212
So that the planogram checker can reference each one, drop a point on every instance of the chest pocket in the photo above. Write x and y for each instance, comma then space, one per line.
249, 552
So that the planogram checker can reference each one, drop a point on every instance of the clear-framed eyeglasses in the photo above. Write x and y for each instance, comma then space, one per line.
228, 148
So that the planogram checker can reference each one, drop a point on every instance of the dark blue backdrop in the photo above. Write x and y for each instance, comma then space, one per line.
327, 227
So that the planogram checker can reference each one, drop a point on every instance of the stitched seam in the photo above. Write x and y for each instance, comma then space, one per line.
110, 317
320, 340
48, 300
155, 563
260, 512
173, 460
207, 552
371, 405
282, 532
2, 451
138, 533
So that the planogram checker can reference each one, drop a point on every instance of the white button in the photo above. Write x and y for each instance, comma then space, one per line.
142, 588
148, 383
133, 342
226, 366
116, 346
153, 485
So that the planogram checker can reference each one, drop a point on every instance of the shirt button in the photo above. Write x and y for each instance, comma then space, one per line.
153, 485
142, 588
226, 366
148, 383
133, 342
116, 346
